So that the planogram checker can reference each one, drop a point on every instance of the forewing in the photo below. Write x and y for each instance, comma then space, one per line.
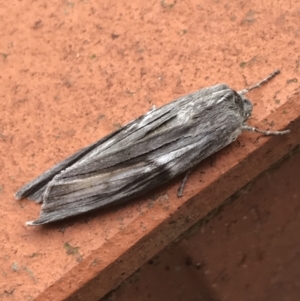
122, 174
127, 135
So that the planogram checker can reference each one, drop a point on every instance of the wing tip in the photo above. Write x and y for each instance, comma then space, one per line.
36, 222
30, 223
18, 195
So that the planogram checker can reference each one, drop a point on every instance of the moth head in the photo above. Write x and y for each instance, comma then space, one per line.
247, 108
243, 104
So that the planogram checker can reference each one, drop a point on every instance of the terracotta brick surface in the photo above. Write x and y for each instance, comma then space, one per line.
72, 72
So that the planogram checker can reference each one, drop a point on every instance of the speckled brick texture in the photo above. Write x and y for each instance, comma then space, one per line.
71, 72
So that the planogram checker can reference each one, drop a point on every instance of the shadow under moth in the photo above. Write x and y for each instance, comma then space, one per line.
144, 154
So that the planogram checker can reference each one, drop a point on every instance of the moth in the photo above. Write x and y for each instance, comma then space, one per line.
144, 154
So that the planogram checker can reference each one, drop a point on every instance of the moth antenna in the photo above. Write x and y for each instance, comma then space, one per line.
246, 127
265, 80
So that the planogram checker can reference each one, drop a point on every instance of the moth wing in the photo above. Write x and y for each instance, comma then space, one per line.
121, 175
127, 135
130, 133
66, 196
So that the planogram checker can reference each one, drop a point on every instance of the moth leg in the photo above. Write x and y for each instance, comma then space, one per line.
265, 80
246, 127
181, 188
